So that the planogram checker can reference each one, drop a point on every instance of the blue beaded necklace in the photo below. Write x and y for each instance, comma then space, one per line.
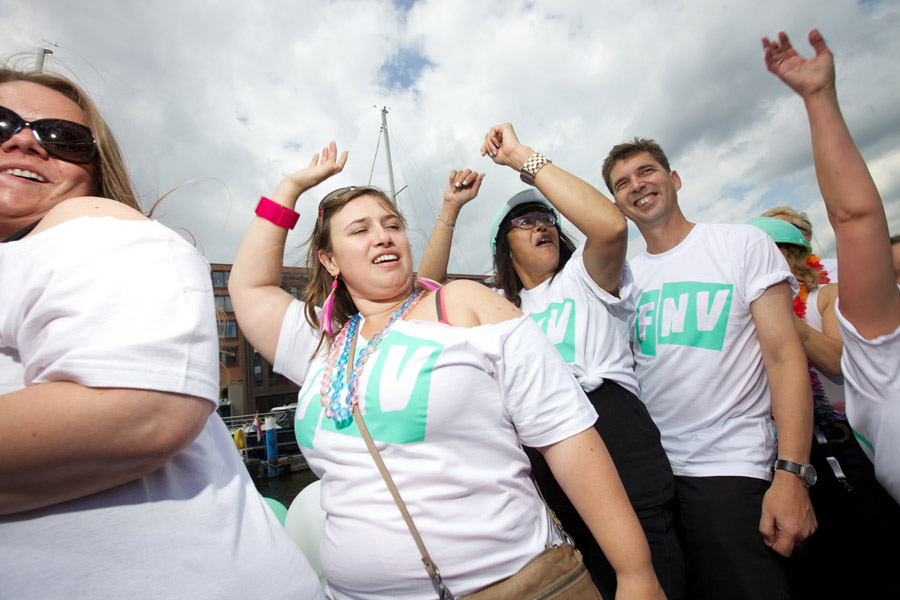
340, 409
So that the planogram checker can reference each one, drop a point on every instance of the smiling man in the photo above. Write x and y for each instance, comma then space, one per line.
716, 353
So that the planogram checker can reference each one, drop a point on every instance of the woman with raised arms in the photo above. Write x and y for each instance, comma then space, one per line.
449, 400
581, 299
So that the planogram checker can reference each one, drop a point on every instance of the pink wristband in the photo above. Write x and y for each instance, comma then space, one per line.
276, 213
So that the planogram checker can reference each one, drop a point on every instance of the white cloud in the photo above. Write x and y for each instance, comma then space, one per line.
243, 93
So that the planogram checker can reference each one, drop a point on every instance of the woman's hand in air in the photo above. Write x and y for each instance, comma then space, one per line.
503, 147
462, 186
321, 167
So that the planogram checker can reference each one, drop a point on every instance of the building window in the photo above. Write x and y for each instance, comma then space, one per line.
257, 369
228, 355
224, 303
220, 279
228, 329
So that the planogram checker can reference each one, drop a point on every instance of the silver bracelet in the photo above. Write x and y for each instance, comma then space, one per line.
449, 226
532, 166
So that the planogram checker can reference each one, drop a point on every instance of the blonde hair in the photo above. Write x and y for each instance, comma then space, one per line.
796, 258
796, 218
112, 179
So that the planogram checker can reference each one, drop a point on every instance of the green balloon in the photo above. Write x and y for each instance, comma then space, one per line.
278, 508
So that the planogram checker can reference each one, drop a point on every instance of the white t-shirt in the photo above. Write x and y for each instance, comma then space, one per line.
128, 304
832, 385
588, 325
448, 408
698, 358
830, 265
872, 388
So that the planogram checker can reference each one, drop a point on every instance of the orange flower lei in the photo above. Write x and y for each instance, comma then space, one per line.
816, 263
800, 302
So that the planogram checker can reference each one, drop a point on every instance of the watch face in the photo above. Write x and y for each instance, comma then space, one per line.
810, 475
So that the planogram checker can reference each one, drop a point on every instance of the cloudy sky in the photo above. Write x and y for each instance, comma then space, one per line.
226, 97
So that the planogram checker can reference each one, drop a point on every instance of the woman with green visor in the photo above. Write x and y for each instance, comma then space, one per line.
580, 298
858, 520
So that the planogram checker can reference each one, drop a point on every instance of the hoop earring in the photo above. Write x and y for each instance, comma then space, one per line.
325, 317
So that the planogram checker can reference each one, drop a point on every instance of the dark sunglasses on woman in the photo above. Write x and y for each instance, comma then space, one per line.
529, 221
65, 140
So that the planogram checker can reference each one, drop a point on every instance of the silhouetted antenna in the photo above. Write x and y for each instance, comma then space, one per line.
42, 54
387, 150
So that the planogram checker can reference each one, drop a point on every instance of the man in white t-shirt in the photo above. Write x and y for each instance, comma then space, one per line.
716, 350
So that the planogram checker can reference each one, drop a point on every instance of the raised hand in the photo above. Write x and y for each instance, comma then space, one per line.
502, 145
807, 77
320, 168
462, 186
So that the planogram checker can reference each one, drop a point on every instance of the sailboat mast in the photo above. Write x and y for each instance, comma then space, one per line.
39, 61
387, 150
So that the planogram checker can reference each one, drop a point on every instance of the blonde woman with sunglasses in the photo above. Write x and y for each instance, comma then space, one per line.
117, 477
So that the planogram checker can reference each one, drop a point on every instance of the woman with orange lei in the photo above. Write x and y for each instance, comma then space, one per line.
858, 520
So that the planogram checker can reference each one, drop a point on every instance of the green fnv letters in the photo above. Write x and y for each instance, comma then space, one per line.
685, 313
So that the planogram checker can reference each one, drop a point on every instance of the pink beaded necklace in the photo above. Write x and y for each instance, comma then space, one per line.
337, 408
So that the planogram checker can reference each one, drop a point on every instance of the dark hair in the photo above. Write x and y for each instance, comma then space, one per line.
629, 149
895, 239
506, 277
112, 179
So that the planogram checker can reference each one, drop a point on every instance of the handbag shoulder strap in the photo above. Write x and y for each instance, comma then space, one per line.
430, 566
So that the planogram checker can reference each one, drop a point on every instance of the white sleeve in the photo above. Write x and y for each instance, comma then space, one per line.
576, 272
543, 398
762, 266
296, 342
123, 304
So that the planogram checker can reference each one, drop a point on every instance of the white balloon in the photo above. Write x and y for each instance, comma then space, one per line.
305, 523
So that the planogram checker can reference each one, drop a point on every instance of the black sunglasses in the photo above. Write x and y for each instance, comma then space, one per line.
529, 221
65, 140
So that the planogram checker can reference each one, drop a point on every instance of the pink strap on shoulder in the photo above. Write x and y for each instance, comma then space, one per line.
441, 307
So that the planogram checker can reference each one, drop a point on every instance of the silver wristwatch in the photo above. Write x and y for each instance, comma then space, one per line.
532, 166
806, 472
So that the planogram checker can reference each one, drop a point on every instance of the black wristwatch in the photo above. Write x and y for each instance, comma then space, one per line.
806, 473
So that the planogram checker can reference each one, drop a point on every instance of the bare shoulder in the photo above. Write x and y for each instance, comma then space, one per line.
827, 296
471, 303
88, 206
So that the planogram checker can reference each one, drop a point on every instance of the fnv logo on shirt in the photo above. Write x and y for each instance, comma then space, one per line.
395, 384
685, 313
558, 324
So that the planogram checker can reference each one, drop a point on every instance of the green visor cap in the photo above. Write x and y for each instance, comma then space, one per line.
529, 196
781, 231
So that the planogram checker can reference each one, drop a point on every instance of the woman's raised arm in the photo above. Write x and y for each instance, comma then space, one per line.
259, 302
581, 203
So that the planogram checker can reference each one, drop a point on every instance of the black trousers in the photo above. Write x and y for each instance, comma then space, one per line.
719, 530
855, 553
632, 439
